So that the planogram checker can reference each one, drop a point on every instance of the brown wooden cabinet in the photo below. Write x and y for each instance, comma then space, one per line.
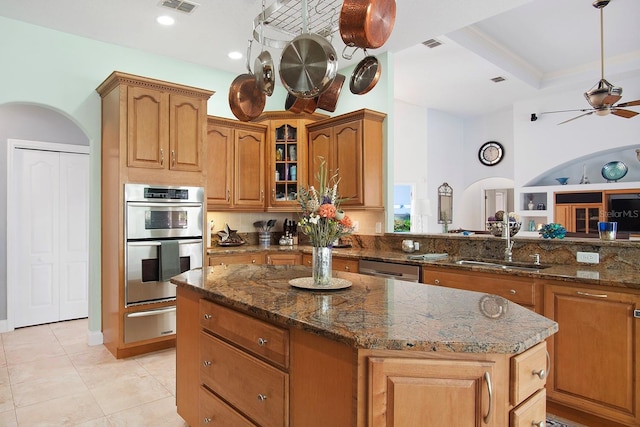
283, 258
595, 355
521, 290
412, 392
286, 157
351, 144
338, 263
228, 259
579, 212
152, 133
235, 165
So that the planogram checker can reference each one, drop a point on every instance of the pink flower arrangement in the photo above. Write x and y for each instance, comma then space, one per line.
322, 219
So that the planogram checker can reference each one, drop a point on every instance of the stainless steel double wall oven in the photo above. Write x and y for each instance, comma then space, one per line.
163, 233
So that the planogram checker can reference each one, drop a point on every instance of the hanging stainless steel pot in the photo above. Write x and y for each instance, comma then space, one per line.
246, 99
365, 76
367, 23
308, 65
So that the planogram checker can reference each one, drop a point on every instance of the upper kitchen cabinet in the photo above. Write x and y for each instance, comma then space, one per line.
351, 144
286, 157
235, 166
155, 126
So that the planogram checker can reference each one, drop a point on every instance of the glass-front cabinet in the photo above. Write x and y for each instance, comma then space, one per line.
286, 164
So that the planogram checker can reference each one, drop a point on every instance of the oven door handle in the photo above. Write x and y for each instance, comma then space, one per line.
157, 243
152, 312
164, 205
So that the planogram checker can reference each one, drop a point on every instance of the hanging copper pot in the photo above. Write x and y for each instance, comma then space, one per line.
329, 98
298, 105
246, 98
367, 23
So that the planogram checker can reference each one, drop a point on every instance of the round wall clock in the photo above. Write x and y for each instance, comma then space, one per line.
491, 153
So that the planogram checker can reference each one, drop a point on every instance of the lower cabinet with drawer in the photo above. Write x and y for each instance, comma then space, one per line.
234, 369
337, 263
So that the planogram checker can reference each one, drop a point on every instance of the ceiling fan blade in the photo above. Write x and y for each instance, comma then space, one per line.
627, 114
576, 117
629, 104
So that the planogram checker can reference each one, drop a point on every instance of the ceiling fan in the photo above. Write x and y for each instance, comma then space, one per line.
603, 95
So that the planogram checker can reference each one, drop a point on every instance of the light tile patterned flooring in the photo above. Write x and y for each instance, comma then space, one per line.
49, 376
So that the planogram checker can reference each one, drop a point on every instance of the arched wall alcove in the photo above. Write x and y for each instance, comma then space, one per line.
32, 122
591, 166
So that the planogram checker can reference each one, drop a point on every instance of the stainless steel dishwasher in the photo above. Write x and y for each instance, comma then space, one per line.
390, 270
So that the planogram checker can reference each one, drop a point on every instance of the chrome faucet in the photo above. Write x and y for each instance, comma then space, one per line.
508, 253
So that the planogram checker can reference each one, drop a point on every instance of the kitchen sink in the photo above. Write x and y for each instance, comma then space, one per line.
502, 265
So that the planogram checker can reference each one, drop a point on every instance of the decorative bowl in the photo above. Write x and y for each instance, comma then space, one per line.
496, 228
613, 171
562, 181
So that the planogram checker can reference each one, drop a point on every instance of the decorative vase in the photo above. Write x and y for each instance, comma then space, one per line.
321, 266
530, 205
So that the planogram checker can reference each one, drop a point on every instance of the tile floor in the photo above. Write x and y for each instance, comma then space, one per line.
49, 376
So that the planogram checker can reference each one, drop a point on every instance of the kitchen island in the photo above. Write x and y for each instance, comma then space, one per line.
255, 349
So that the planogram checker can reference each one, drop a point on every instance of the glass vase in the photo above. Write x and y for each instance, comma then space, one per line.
321, 266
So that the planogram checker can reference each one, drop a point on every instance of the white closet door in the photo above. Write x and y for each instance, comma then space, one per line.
38, 189
74, 235
52, 215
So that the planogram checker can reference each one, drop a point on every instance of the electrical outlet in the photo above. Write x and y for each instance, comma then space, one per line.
378, 227
356, 226
588, 257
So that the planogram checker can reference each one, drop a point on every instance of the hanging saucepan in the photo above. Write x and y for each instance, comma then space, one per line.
367, 23
263, 65
329, 98
298, 105
365, 76
246, 99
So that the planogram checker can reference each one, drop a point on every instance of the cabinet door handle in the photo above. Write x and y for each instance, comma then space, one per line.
487, 379
207, 316
262, 195
206, 363
273, 195
228, 194
206, 420
162, 157
513, 291
587, 294
262, 397
262, 341
173, 158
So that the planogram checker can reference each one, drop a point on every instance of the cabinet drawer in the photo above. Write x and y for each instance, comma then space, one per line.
214, 412
518, 290
258, 337
255, 388
531, 412
257, 258
529, 372
337, 263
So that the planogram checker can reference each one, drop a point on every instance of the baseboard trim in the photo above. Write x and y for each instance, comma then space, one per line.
95, 338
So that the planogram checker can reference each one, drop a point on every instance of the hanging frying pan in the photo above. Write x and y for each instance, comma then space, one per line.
308, 63
263, 64
329, 98
365, 76
367, 23
246, 99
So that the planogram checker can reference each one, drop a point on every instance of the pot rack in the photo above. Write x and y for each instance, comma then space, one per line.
284, 20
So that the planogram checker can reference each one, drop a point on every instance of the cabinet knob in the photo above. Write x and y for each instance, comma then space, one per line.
206, 420
538, 424
253, 261
513, 291
347, 268
541, 373
262, 341
206, 363
207, 316
436, 282
262, 397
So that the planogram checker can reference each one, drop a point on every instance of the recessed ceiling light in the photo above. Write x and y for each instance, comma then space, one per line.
235, 55
165, 20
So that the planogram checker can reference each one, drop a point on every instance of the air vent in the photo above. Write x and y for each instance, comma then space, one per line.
431, 43
498, 79
182, 6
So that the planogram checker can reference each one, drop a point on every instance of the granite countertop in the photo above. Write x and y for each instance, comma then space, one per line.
375, 313
583, 273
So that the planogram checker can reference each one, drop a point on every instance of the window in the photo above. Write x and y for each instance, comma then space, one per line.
402, 202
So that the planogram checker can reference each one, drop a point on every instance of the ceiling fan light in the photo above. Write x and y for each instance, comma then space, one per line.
603, 111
